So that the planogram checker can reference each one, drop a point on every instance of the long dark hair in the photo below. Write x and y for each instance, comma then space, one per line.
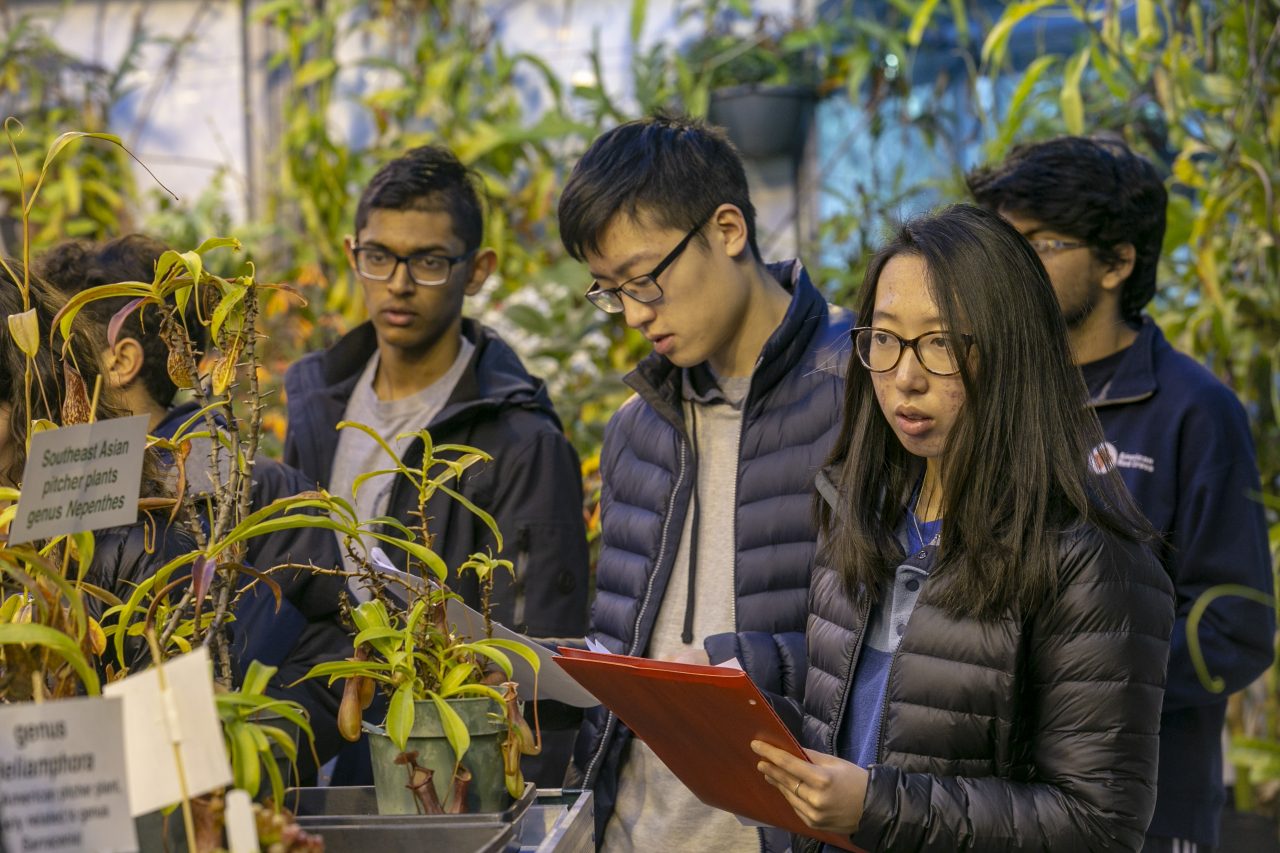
53, 368
1015, 467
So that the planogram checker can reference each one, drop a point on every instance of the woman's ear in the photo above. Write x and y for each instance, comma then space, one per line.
123, 362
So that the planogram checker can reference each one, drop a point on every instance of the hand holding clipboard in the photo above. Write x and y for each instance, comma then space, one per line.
700, 721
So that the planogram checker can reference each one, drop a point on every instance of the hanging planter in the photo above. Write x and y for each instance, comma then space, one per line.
764, 120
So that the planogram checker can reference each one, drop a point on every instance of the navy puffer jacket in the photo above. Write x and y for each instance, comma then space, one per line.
790, 418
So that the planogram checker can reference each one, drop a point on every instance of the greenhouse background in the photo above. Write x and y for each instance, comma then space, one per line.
263, 119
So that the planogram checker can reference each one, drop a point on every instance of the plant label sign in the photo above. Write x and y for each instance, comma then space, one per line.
62, 777
170, 720
82, 477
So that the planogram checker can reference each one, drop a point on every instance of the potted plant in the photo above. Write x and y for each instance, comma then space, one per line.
453, 734
759, 84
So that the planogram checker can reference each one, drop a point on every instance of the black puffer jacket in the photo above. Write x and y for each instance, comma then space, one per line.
1038, 732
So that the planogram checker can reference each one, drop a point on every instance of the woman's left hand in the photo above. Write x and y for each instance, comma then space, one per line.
826, 794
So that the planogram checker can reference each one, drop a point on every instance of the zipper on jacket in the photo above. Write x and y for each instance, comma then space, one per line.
737, 487
611, 720
864, 610
884, 706
1119, 401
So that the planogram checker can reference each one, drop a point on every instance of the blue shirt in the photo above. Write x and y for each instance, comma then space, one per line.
859, 738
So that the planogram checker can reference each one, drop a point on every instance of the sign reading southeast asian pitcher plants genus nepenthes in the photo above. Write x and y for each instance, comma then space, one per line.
82, 477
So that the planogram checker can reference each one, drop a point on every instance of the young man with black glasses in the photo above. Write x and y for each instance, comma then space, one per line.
417, 363
708, 471
1095, 213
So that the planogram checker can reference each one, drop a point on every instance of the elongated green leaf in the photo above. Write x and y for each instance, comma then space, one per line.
377, 437
371, 614
455, 678
213, 243
257, 677
477, 512
24, 328
66, 647
400, 714
496, 655
66, 315
1017, 103
516, 648
84, 545
369, 475
455, 731
1148, 26
336, 669
920, 21
993, 48
638, 9
1070, 99
248, 772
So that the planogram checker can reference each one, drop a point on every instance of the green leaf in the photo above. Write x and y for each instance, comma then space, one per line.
1017, 103
84, 545
517, 648
256, 678
920, 21
246, 765
1071, 101
455, 678
400, 714
67, 648
993, 48
315, 71
638, 8
455, 731
1148, 27
217, 243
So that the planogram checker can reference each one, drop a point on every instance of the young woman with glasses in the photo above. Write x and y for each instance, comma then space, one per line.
987, 632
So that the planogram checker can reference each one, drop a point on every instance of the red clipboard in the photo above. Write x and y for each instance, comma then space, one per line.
700, 721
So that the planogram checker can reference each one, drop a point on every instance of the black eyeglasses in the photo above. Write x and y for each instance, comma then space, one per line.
642, 288
938, 352
425, 268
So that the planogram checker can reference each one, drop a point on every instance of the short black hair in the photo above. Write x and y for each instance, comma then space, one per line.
1093, 188
77, 265
670, 169
428, 178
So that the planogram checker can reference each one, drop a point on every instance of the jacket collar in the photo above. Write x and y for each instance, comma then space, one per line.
494, 377
1135, 377
661, 384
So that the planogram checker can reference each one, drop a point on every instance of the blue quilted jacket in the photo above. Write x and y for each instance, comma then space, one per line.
790, 418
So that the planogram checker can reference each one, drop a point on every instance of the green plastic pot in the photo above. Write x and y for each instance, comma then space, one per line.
487, 727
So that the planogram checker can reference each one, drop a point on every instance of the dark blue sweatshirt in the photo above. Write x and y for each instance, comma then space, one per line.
1181, 441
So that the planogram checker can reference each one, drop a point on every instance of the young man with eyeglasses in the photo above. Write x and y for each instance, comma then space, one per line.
708, 471
1095, 213
418, 363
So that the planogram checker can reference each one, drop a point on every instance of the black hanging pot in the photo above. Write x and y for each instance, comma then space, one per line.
764, 120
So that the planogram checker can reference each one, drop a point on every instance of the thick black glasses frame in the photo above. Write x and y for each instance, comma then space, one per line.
596, 293
357, 250
904, 344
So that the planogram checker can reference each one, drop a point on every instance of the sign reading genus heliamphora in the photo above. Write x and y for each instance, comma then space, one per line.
62, 785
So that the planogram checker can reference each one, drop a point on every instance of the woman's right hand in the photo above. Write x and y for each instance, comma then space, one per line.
827, 794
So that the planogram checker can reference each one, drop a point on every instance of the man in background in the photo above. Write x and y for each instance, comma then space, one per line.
1095, 213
